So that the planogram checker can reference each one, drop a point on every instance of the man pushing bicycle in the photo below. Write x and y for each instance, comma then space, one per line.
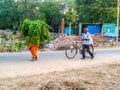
86, 44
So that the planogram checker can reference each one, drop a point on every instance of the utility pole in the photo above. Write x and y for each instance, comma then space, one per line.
117, 31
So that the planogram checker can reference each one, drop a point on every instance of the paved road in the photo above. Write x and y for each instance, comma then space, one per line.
50, 55
13, 64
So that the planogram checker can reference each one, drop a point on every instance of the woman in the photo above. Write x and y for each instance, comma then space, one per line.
34, 50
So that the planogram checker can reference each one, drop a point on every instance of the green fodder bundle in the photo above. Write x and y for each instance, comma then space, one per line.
35, 31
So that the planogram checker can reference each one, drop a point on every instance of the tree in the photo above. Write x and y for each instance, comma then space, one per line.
70, 18
53, 12
29, 10
69, 4
96, 11
13, 13
8, 15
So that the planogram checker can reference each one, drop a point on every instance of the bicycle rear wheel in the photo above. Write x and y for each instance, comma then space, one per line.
71, 51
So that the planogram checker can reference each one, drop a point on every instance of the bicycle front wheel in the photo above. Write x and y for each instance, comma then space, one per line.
71, 51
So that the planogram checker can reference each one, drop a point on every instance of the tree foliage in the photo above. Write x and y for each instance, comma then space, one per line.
96, 11
12, 13
8, 14
71, 17
52, 11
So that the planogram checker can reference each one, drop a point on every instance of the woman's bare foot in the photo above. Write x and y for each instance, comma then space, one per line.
35, 57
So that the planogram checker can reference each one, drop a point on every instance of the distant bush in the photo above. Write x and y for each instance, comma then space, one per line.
10, 44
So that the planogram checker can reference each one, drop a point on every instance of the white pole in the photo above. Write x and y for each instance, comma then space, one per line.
80, 28
117, 22
70, 29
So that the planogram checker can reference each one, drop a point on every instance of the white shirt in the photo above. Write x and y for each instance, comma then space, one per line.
86, 36
91, 40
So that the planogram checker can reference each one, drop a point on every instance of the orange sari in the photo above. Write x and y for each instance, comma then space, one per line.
34, 49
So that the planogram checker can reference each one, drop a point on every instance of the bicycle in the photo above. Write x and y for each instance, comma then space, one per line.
72, 50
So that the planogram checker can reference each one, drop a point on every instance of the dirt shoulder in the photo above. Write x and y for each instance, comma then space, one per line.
101, 77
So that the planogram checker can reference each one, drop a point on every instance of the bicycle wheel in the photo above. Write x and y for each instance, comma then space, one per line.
71, 51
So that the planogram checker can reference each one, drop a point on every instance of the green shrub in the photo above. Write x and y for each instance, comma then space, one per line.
3, 35
10, 45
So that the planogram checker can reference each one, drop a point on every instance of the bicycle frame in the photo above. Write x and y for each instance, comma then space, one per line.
75, 47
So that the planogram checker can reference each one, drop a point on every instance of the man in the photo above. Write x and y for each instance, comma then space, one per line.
86, 44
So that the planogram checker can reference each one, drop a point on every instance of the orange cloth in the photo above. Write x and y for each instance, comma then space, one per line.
34, 49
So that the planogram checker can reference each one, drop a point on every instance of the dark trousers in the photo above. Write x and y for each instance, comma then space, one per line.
87, 47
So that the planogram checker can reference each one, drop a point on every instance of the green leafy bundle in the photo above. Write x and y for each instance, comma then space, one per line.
35, 31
